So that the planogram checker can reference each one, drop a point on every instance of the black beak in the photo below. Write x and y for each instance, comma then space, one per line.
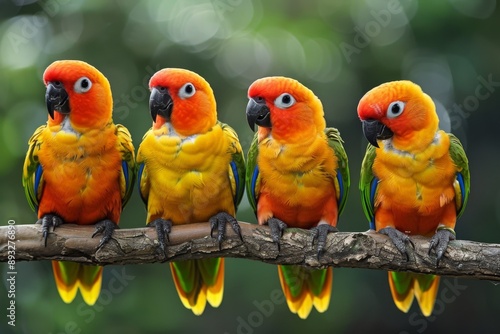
160, 103
258, 113
373, 130
56, 98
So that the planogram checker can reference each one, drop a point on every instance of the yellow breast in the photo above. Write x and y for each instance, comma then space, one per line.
188, 176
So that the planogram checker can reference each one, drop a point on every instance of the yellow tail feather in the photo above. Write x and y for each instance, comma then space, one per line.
197, 299
216, 291
322, 301
294, 304
185, 298
426, 299
402, 301
71, 277
304, 302
90, 288
306, 305
67, 284
201, 302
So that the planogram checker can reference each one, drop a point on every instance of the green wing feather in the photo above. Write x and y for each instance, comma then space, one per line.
31, 165
335, 142
365, 184
128, 171
459, 158
252, 173
143, 182
237, 164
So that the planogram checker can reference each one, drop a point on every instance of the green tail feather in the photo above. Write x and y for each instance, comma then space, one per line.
424, 281
296, 276
403, 282
187, 271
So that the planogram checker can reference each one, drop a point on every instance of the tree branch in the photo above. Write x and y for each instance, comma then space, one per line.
354, 250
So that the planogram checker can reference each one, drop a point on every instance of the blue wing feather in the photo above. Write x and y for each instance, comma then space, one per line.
460, 179
341, 187
253, 183
373, 191
125, 171
234, 168
38, 177
461, 183
139, 178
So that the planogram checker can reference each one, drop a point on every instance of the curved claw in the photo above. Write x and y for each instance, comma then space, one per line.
219, 222
47, 221
320, 232
106, 227
163, 228
439, 242
399, 239
277, 227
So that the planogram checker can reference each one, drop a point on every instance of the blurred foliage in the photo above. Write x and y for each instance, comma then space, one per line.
339, 49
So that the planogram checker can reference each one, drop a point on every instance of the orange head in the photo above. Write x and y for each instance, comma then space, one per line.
78, 92
183, 99
285, 107
399, 110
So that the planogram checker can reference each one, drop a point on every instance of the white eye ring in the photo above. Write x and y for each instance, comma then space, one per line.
82, 85
395, 109
187, 91
284, 101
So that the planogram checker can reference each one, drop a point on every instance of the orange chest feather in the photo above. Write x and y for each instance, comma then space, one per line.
81, 175
297, 180
415, 183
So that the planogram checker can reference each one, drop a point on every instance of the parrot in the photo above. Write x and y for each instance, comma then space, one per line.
79, 168
191, 169
415, 180
297, 176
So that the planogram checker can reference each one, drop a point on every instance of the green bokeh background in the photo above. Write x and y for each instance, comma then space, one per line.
339, 49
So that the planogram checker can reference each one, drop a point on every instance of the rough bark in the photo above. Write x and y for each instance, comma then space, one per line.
354, 250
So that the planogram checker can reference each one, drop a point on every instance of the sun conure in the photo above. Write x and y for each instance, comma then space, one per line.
297, 176
80, 166
414, 180
191, 170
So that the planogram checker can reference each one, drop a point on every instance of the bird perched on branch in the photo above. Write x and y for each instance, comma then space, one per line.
80, 166
414, 180
297, 176
191, 170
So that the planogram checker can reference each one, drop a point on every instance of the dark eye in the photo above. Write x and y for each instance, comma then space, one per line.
187, 91
284, 101
82, 85
395, 109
